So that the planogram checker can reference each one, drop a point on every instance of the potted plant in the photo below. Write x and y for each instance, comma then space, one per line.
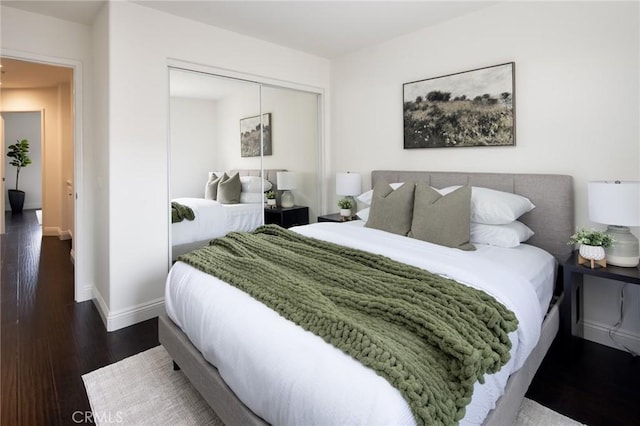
19, 152
592, 243
271, 198
345, 204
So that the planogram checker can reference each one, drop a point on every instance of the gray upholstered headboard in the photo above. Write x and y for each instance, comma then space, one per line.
553, 218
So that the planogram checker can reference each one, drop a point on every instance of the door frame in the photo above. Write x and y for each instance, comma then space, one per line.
82, 291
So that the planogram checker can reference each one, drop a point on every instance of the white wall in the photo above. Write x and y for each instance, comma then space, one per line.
18, 126
577, 104
26, 35
141, 41
294, 122
193, 145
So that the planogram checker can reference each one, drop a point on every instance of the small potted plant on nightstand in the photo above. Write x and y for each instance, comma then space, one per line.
345, 205
592, 245
271, 199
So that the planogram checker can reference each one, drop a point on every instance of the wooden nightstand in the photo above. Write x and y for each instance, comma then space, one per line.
287, 216
572, 307
333, 217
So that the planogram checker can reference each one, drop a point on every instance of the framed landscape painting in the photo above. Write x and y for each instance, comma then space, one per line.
250, 136
471, 108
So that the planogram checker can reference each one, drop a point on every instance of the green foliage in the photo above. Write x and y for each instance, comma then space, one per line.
438, 121
345, 203
592, 237
271, 195
20, 154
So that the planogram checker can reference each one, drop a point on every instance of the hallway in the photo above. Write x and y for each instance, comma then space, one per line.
47, 340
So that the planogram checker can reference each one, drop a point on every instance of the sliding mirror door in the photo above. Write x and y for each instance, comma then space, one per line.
295, 144
230, 130
205, 116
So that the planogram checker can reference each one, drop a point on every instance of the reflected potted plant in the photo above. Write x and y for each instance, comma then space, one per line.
271, 198
345, 204
19, 153
592, 243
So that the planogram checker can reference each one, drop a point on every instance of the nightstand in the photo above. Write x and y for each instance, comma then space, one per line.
572, 307
333, 217
287, 216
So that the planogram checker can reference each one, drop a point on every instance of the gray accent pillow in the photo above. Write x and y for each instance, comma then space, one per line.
442, 219
391, 210
229, 189
211, 187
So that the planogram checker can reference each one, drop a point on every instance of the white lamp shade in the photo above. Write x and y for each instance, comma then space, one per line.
286, 180
614, 202
348, 183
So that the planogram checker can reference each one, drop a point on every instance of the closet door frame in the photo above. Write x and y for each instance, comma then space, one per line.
322, 154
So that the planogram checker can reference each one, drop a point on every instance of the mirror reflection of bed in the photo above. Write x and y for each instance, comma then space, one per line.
206, 111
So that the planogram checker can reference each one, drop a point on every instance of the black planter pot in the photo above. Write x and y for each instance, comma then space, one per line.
16, 199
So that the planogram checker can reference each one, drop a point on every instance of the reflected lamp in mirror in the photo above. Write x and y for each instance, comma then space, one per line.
349, 184
617, 204
286, 182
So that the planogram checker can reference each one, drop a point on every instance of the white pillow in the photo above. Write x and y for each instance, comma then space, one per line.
254, 184
366, 197
252, 197
493, 207
364, 214
509, 235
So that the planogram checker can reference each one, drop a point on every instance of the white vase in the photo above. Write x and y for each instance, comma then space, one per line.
592, 252
345, 212
271, 202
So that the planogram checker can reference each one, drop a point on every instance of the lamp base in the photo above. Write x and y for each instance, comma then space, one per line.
625, 251
286, 200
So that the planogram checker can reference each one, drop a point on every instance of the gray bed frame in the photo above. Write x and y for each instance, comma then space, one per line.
552, 221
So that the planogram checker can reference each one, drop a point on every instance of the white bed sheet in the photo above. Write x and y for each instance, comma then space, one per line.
289, 376
213, 220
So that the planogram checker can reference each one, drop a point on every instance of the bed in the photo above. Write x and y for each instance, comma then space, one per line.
552, 221
213, 219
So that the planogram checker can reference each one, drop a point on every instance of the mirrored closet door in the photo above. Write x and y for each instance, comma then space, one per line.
232, 144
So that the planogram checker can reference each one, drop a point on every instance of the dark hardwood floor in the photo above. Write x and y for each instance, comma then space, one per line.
48, 342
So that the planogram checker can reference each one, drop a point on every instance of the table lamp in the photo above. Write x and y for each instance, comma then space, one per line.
617, 204
286, 182
349, 184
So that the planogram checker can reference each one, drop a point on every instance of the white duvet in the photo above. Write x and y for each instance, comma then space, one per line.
289, 376
213, 220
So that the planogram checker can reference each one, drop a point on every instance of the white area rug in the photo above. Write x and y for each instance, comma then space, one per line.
39, 216
144, 390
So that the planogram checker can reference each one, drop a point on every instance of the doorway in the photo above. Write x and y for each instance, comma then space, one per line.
19, 126
51, 90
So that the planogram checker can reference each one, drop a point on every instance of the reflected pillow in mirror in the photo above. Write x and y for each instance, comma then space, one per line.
211, 187
254, 184
229, 189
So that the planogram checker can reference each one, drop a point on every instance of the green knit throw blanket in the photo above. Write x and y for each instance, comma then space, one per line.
180, 212
430, 337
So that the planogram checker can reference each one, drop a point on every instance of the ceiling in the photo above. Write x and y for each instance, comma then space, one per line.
17, 74
323, 28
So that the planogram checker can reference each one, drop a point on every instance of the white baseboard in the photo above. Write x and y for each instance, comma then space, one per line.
125, 317
50, 231
55, 231
86, 293
599, 333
